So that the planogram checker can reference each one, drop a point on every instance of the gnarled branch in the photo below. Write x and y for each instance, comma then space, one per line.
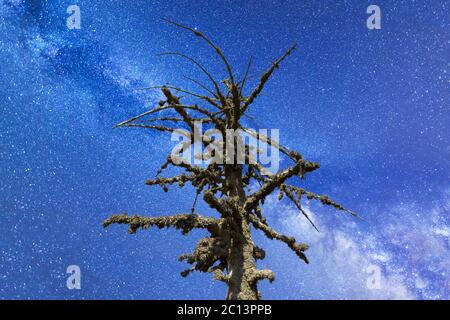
298, 248
265, 77
183, 222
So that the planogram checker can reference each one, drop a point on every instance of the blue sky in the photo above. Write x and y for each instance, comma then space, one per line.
372, 107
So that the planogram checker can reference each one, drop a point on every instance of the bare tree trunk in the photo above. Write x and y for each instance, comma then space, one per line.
242, 265
241, 262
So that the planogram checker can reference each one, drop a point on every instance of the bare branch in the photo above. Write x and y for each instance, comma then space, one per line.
201, 35
180, 179
173, 119
202, 86
299, 207
298, 248
157, 109
277, 180
145, 126
263, 274
216, 86
291, 154
322, 198
172, 100
205, 98
183, 222
242, 84
265, 77
215, 203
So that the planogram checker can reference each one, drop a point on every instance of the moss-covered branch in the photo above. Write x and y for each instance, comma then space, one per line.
183, 222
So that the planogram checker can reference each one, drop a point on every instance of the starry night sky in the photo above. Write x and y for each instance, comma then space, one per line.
373, 107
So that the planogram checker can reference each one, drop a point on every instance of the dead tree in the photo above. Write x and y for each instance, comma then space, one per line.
228, 253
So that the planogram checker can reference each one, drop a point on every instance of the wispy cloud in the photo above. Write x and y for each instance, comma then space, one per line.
407, 251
